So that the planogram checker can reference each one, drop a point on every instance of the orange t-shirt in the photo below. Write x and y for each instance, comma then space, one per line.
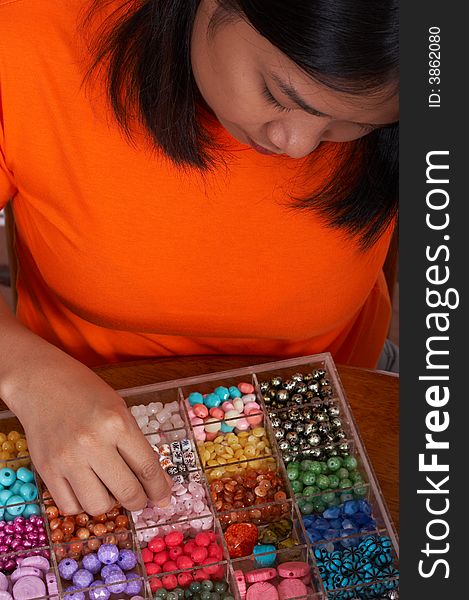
122, 257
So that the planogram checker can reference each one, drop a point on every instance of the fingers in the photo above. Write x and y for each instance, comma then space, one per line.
90, 491
64, 496
141, 458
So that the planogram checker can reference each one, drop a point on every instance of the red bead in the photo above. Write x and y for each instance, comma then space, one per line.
169, 582
184, 562
161, 557
199, 554
209, 567
175, 552
215, 551
152, 569
201, 574
175, 538
147, 555
185, 579
155, 584
169, 566
189, 546
157, 544
202, 539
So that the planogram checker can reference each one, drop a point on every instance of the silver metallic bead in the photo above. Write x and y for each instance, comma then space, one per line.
299, 428
314, 439
297, 377
318, 373
287, 425
282, 395
279, 434
294, 415
289, 384
276, 422
313, 386
301, 387
264, 386
292, 437
297, 399
321, 417
284, 445
339, 435
334, 411
316, 453
307, 413
311, 427
276, 381
336, 423
344, 449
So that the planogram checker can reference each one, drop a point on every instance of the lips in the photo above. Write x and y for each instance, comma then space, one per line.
260, 149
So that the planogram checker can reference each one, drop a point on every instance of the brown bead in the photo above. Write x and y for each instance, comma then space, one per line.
52, 512
60, 552
68, 526
57, 536
54, 524
83, 533
100, 518
122, 521
110, 539
76, 546
113, 513
93, 544
99, 529
82, 519
110, 526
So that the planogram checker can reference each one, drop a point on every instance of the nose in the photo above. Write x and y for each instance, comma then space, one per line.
296, 138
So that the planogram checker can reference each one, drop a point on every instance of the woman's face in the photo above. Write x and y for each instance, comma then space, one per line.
264, 100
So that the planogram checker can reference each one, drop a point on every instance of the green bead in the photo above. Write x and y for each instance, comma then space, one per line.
205, 595
310, 490
346, 497
318, 504
207, 584
324, 468
329, 498
293, 474
308, 478
220, 586
294, 465
350, 463
297, 486
342, 473
195, 587
360, 491
307, 508
315, 467
188, 594
334, 463
333, 481
161, 593
345, 483
306, 464
356, 477
180, 592
215, 596
322, 482
172, 596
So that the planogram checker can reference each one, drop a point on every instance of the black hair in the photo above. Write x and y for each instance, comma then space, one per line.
351, 47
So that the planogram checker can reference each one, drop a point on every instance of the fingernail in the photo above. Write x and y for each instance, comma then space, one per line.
164, 502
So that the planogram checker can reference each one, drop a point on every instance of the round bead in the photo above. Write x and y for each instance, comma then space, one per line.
98, 591
91, 563
15, 510
108, 553
82, 578
67, 568
7, 477
126, 560
25, 475
28, 491
74, 593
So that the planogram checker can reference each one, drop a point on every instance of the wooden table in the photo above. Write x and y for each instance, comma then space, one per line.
372, 395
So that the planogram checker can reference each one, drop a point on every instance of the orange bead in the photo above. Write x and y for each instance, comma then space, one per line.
83, 533
110, 526
82, 519
21, 445
14, 436
76, 546
55, 524
113, 513
68, 526
99, 529
52, 512
100, 518
93, 544
57, 536
122, 521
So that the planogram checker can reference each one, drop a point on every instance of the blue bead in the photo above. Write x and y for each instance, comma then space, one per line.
267, 560
321, 523
1, 487
234, 392
4, 495
15, 510
336, 523
28, 491
331, 513
212, 400
7, 477
348, 524
351, 507
2, 512
196, 398
31, 509
16, 487
24, 475
222, 392
364, 506
226, 428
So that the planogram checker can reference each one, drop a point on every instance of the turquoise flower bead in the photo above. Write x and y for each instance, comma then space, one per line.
196, 398
268, 552
31, 509
4, 495
28, 491
7, 477
222, 392
226, 428
15, 510
234, 392
25, 475
212, 400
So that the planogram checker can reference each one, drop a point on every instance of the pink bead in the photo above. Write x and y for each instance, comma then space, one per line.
242, 424
199, 554
217, 412
253, 417
197, 421
202, 539
249, 398
226, 406
147, 555
200, 411
184, 562
245, 388
210, 436
175, 552
161, 557
169, 566
191, 413
250, 405
185, 579
175, 538
200, 434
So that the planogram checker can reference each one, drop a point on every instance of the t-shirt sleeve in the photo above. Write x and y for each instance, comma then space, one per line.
7, 186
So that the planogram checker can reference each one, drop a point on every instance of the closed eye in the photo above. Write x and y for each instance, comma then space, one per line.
271, 100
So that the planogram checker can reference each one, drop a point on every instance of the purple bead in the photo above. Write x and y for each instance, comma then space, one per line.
134, 584
127, 560
8, 539
42, 539
67, 567
116, 582
9, 564
108, 553
28, 528
10, 529
74, 593
17, 545
82, 578
108, 569
3, 549
99, 593
91, 563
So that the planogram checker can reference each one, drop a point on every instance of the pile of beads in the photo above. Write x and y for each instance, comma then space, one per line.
188, 511
245, 538
177, 459
299, 389
288, 580
349, 519
109, 571
29, 580
13, 445
170, 553
197, 590
368, 566
313, 480
161, 423
21, 534
224, 410
234, 447
313, 431
16, 488
254, 486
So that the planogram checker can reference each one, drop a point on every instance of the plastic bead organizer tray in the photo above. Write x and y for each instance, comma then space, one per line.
279, 501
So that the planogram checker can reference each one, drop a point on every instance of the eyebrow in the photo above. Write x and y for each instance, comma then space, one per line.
293, 95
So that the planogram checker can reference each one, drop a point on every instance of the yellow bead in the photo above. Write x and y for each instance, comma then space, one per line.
261, 445
221, 460
219, 439
252, 439
212, 463
4, 455
21, 444
243, 434
8, 446
228, 450
14, 436
3, 438
258, 431
250, 451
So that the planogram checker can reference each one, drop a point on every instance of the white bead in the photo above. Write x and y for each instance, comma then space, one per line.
173, 407
154, 439
238, 405
154, 425
142, 422
163, 416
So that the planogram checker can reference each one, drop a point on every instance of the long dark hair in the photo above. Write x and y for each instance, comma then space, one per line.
352, 47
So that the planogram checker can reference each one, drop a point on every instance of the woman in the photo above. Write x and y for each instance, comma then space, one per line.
187, 177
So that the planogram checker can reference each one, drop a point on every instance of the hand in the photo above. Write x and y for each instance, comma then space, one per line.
83, 440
